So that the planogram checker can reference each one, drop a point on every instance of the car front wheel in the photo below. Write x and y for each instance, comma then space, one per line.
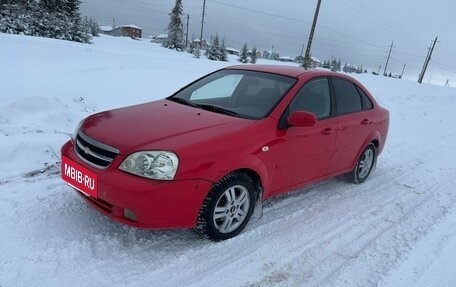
364, 165
228, 207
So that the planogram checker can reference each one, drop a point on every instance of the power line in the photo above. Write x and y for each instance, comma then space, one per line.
260, 12
388, 24
296, 20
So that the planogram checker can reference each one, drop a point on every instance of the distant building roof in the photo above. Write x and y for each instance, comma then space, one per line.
286, 58
160, 36
110, 28
315, 60
131, 26
232, 49
106, 28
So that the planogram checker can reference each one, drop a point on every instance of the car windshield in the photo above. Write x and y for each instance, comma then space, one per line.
246, 94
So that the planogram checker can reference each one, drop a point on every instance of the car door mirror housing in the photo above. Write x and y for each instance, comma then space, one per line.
302, 119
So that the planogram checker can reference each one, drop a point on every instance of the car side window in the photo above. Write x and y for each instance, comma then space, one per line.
367, 104
314, 97
223, 87
348, 100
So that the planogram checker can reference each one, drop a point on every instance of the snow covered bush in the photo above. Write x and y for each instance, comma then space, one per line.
217, 50
254, 56
244, 56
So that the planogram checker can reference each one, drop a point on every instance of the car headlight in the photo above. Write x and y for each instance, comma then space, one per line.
160, 165
75, 133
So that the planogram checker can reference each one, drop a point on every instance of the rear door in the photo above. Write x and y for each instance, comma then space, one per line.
354, 123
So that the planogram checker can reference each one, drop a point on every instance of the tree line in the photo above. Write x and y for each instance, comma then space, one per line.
216, 49
59, 19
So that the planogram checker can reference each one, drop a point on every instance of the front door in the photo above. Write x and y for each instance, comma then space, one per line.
302, 154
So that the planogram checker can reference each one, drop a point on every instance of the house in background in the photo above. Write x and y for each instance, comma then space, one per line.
233, 51
286, 59
202, 44
130, 30
258, 53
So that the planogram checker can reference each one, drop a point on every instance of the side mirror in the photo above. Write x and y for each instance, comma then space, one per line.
302, 119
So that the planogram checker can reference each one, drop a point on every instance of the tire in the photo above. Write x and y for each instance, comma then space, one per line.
364, 165
227, 208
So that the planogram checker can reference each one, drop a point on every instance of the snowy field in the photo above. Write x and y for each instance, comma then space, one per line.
397, 229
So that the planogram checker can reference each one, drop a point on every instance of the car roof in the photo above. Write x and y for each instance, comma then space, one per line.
291, 71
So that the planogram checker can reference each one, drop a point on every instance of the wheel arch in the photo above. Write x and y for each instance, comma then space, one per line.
250, 165
374, 139
254, 176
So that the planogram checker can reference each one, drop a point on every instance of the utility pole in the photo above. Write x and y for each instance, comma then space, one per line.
426, 62
186, 33
202, 23
307, 59
113, 22
403, 69
387, 59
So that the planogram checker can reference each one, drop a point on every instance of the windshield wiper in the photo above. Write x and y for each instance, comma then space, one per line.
206, 107
217, 109
182, 101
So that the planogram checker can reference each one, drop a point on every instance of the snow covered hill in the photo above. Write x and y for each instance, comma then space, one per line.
397, 229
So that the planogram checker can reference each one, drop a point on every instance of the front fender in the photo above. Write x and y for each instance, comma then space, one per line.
231, 163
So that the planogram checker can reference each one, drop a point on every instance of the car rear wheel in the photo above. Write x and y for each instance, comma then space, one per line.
228, 207
364, 165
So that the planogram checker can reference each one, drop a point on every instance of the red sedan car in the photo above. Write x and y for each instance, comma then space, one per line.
204, 157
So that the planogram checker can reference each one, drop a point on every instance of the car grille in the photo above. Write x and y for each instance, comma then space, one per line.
94, 152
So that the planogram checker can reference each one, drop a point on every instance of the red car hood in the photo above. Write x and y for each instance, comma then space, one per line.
162, 125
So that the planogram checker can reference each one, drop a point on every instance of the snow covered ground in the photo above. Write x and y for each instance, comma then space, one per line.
397, 229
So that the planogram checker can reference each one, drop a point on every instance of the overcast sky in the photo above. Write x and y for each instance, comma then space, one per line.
356, 31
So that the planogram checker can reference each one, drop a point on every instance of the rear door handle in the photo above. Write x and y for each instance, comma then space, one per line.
365, 122
327, 131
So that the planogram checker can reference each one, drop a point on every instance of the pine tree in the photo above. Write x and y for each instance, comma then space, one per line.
253, 57
223, 52
217, 49
197, 53
333, 65
91, 26
345, 68
58, 19
213, 52
175, 28
72, 8
325, 64
243, 57
275, 56
192, 47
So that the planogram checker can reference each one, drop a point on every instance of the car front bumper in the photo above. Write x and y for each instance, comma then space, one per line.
142, 202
